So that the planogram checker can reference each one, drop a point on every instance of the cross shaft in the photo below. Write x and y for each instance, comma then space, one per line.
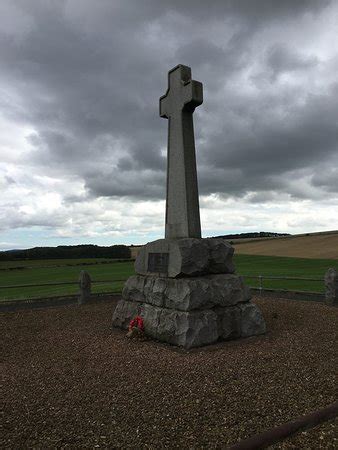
177, 105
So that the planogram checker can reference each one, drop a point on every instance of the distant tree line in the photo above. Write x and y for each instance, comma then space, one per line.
68, 251
259, 234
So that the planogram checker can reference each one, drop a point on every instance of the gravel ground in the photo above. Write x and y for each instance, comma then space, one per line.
70, 381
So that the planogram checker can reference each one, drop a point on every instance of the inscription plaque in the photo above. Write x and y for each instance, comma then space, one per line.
158, 262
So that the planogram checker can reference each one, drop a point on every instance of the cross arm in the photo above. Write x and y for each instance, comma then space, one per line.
193, 95
164, 106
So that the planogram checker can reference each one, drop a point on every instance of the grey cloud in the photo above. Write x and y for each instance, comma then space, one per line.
262, 197
327, 176
67, 199
303, 136
282, 59
15, 219
9, 180
196, 51
243, 10
135, 184
89, 76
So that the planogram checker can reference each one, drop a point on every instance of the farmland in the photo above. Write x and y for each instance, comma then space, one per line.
311, 245
114, 272
57, 271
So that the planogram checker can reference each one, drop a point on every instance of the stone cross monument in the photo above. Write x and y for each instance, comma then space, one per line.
177, 105
185, 287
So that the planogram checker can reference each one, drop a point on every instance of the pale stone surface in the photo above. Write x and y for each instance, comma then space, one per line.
192, 328
252, 321
180, 328
331, 287
188, 257
186, 294
85, 284
125, 312
178, 104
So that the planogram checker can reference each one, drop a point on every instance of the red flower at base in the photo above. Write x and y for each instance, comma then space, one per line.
136, 323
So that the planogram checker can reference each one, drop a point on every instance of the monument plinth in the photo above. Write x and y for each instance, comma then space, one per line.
186, 288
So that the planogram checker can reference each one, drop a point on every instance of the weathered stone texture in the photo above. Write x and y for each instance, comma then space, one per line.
124, 313
192, 328
331, 287
189, 256
180, 328
229, 322
85, 284
252, 321
178, 104
186, 294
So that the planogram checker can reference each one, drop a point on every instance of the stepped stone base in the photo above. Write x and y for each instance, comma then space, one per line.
187, 294
190, 312
192, 328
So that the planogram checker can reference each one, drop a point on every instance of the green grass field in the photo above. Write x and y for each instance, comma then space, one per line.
31, 263
60, 270
52, 271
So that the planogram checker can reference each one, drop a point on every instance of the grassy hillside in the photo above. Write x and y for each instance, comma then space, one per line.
284, 267
65, 271
318, 246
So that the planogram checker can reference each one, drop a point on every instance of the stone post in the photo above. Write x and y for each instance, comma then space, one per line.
85, 287
331, 287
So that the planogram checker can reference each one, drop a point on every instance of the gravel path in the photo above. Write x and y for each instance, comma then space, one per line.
70, 381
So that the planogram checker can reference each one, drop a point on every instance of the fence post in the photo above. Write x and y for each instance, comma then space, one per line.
260, 284
331, 287
85, 284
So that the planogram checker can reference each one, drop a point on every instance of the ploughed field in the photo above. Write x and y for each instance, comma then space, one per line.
312, 245
73, 382
115, 272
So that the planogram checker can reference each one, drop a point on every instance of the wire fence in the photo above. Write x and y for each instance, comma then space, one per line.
263, 282
39, 291
60, 283
261, 278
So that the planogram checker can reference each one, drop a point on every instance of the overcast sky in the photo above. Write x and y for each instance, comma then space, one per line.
82, 146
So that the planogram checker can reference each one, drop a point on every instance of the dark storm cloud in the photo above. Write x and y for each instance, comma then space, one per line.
327, 177
307, 134
89, 74
283, 59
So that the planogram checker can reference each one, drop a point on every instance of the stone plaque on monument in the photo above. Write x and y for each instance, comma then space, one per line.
158, 262
185, 287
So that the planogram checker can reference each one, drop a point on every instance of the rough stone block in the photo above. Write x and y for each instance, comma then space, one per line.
192, 328
180, 328
124, 313
229, 322
185, 257
185, 329
331, 287
85, 287
252, 321
187, 294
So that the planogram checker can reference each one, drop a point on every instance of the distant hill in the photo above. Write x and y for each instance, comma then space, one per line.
322, 245
260, 234
67, 251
